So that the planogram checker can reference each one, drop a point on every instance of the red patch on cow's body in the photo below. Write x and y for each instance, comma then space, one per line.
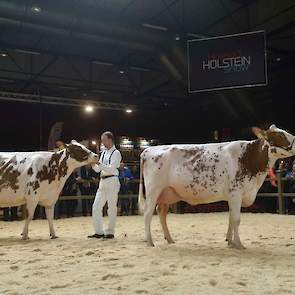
253, 160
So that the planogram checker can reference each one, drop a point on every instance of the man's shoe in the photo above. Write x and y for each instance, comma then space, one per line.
107, 237
96, 236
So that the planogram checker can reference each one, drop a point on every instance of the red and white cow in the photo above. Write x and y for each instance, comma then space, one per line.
205, 173
33, 178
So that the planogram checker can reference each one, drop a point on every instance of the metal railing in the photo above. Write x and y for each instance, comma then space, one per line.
280, 194
91, 197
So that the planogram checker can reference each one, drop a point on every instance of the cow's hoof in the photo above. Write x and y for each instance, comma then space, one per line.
24, 238
150, 244
236, 246
53, 237
169, 240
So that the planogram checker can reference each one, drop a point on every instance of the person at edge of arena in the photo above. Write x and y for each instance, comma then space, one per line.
108, 189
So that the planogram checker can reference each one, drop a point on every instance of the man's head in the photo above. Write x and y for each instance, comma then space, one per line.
60, 144
80, 153
122, 165
282, 143
107, 139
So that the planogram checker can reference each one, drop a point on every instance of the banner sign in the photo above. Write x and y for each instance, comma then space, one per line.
126, 144
223, 62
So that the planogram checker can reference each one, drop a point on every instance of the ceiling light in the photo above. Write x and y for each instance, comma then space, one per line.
3, 54
122, 72
27, 51
177, 37
139, 69
278, 59
89, 109
103, 63
196, 35
128, 111
36, 9
155, 27
93, 142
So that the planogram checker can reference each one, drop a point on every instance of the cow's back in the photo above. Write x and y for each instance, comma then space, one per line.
198, 173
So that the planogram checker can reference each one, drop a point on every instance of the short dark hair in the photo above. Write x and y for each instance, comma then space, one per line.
109, 135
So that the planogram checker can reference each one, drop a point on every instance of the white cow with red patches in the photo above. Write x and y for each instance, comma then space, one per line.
34, 178
206, 173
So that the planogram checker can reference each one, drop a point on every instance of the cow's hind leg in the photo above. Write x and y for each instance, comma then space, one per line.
235, 217
150, 205
162, 210
49, 214
31, 206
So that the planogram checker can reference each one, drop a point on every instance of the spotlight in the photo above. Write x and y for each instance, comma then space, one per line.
278, 59
36, 9
89, 109
122, 72
3, 54
128, 111
177, 38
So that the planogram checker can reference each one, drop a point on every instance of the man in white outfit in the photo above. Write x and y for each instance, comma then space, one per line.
109, 187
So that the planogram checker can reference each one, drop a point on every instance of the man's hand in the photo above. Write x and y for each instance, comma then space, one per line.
96, 167
79, 179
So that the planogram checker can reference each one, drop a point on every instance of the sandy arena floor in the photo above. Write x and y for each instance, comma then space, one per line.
199, 262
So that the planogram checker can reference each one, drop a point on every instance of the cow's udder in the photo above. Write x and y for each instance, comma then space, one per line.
168, 196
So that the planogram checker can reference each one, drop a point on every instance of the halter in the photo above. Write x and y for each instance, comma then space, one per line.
290, 147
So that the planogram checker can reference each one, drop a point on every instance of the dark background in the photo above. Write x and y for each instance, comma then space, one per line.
103, 51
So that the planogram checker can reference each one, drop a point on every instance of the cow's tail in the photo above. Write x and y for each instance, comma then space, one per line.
141, 200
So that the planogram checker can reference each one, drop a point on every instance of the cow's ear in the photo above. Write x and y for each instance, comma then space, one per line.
259, 132
273, 127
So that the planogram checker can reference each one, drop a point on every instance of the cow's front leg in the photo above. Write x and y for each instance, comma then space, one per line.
229, 235
49, 214
234, 204
31, 206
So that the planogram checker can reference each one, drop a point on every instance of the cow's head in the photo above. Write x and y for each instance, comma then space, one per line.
80, 153
282, 143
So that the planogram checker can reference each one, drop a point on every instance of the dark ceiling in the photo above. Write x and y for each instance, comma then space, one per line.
133, 52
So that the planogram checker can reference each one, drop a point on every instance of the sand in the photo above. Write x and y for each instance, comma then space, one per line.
199, 263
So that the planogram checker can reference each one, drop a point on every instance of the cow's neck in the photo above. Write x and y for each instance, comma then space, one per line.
254, 161
66, 165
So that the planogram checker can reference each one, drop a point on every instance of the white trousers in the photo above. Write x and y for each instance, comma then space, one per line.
107, 192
